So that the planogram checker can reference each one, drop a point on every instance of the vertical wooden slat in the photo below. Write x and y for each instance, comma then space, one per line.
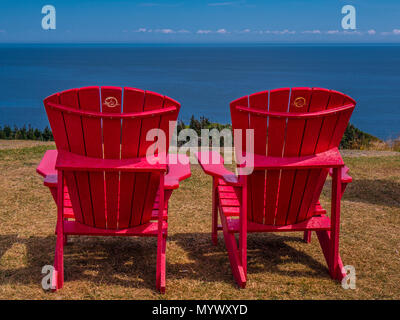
165, 119
57, 124
145, 182
299, 102
304, 178
278, 102
153, 101
74, 128
89, 99
327, 131
111, 103
258, 101
240, 123
133, 102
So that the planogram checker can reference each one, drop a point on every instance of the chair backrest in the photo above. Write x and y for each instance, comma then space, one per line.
110, 123
287, 123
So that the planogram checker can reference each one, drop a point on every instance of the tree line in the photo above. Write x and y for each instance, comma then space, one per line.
353, 137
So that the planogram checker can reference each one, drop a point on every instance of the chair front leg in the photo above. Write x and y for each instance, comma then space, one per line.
214, 227
335, 223
161, 241
58, 276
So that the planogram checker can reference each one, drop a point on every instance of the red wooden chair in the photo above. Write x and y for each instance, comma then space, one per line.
296, 137
99, 176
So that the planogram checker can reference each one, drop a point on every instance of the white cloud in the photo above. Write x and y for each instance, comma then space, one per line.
156, 4
222, 31
221, 4
165, 31
371, 32
352, 32
286, 31
332, 32
396, 31
183, 31
141, 30
312, 32
203, 31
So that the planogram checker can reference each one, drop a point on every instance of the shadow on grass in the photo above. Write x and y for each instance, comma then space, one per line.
131, 262
267, 253
377, 192
127, 262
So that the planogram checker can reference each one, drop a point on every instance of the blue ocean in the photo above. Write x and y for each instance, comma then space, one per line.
204, 78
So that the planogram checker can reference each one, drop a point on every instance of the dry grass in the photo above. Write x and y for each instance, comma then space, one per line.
280, 266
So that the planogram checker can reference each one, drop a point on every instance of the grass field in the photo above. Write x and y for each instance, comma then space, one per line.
280, 266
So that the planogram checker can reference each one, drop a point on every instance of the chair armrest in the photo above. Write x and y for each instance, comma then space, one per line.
46, 168
212, 164
47, 165
177, 172
327, 159
68, 161
346, 178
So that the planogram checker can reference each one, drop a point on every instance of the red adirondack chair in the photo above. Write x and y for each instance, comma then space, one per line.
99, 176
296, 137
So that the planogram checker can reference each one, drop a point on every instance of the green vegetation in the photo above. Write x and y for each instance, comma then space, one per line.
26, 133
354, 138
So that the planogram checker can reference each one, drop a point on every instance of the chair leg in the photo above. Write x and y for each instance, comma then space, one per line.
239, 273
161, 262
307, 236
58, 273
214, 230
327, 243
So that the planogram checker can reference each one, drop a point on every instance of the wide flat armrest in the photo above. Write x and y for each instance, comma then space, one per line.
327, 159
213, 164
177, 171
72, 162
346, 178
47, 165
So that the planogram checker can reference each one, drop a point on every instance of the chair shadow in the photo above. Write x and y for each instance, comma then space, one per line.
127, 262
377, 192
266, 253
131, 262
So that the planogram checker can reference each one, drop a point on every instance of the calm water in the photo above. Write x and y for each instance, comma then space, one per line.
204, 78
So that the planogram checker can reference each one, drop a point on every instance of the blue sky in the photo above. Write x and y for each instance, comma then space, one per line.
192, 21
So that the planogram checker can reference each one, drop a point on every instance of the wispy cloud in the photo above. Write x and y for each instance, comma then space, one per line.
165, 31
157, 4
247, 31
286, 31
222, 4
222, 31
311, 32
141, 30
357, 33
203, 31
395, 32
